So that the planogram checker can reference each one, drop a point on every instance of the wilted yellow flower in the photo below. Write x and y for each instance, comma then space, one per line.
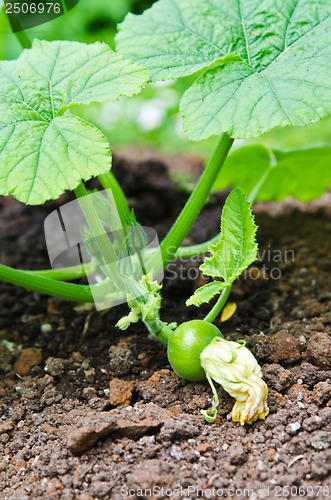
234, 367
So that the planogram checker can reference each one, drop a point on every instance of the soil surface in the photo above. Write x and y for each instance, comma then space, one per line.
88, 411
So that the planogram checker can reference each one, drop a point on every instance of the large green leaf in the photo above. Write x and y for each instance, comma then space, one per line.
42, 151
281, 77
236, 248
304, 174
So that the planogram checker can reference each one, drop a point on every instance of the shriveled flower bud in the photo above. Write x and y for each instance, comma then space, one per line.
234, 367
123, 323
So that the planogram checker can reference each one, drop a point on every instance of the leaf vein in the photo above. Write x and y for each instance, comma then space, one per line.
276, 97
289, 19
241, 14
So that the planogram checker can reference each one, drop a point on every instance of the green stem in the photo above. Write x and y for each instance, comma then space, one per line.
256, 189
196, 201
64, 7
23, 39
99, 234
192, 250
65, 273
55, 287
68, 291
210, 415
21, 36
159, 329
219, 304
202, 248
142, 265
109, 181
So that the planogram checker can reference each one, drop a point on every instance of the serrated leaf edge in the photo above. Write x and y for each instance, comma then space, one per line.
212, 247
196, 302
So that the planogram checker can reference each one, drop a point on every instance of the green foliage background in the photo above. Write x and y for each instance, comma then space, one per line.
151, 118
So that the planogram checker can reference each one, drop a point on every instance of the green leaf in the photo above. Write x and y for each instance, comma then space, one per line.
205, 293
236, 248
174, 38
42, 152
283, 76
304, 174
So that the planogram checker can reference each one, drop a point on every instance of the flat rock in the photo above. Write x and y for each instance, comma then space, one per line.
127, 421
282, 347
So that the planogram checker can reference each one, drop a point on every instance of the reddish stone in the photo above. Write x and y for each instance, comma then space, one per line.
319, 350
202, 448
28, 358
156, 377
120, 392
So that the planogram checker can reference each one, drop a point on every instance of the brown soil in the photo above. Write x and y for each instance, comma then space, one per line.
62, 435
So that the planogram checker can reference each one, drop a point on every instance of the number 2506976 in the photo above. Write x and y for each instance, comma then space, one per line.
33, 8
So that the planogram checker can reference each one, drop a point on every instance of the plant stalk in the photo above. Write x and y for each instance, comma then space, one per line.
109, 181
21, 36
99, 234
23, 39
159, 329
199, 249
40, 284
195, 203
66, 273
213, 313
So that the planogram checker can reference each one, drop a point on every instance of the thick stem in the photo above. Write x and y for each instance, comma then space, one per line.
159, 330
219, 305
23, 39
66, 273
196, 201
98, 233
108, 181
68, 291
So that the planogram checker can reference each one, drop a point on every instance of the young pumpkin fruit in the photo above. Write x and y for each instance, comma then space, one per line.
197, 350
185, 346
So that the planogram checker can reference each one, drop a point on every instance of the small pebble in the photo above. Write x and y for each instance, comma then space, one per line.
46, 328
146, 440
293, 428
176, 452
